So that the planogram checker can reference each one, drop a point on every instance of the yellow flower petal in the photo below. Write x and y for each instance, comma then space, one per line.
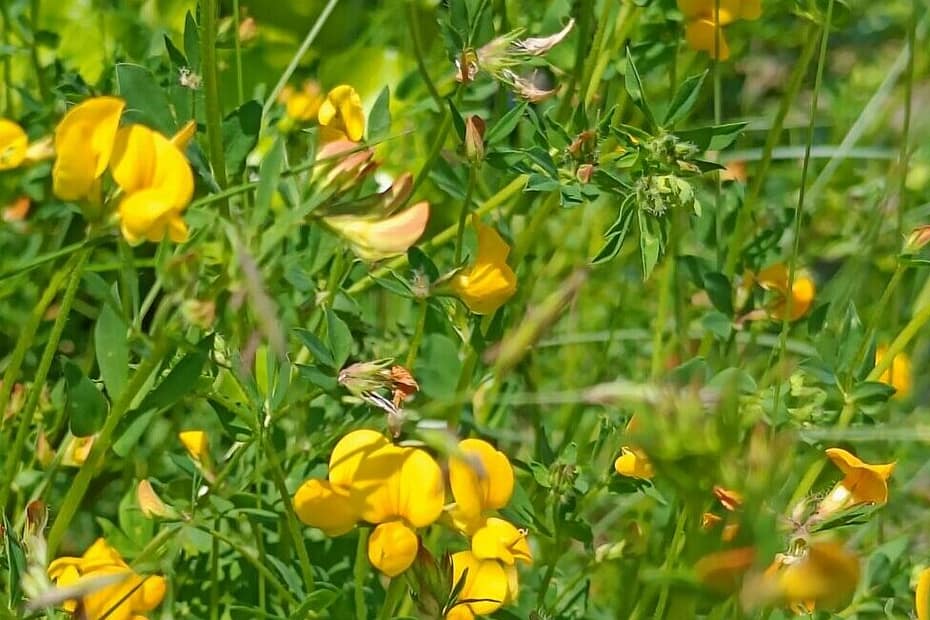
392, 548
83, 145
146, 216
862, 483
898, 375
373, 238
481, 479
634, 463
501, 540
701, 35
145, 159
825, 575
489, 282
319, 503
775, 278
13, 144
419, 488
349, 452
922, 595
195, 442
342, 111
486, 586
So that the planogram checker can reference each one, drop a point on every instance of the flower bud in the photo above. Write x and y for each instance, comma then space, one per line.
918, 238
151, 505
474, 138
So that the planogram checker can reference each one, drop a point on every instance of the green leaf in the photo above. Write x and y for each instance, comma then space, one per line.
616, 234
720, 292
175, 55
192, 42
112, 347
686, 95
269, 175
340, 338
85, 405
320, 351
649, 244
15, 560
634, 87
379, 119
146, 101
714, 137
240, 134
129, 439
505, 126
181, 379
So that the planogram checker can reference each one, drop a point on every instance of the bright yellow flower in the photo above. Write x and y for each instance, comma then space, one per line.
862, 483
154, 174
196, 444
341, 114
13, 144
489, 282
633, 463
822, 575
775, 278
304, 104
370, 479
83, 145
487, 586
501, 540
898, 375
702, 17
481, 479
127, 599
922, 595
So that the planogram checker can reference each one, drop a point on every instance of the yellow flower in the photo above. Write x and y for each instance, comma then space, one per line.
154, 174
862, 483
196, 444
302, 105
704, 23
500, 540
821, 575
76, 450
775, 278
373, 237
341, 114
487, 586
130, 596
898, 375
481, 479
489, 282
13, 144
922, 595
370, 479
83, 145
634, 463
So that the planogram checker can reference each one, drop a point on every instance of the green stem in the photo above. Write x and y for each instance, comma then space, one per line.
24, 423
28, 334
292, 524
798, 214
359, 573
665, 296
211, 86
77, 490
435, 149
395, 592
417, 335
503, 195
262, 570
214, 577
670, 558
463, 214
240, 83
413, 25
877, 312
301, 51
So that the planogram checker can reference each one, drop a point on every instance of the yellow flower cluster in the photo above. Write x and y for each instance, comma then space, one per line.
113, 590
704, 21
400, 489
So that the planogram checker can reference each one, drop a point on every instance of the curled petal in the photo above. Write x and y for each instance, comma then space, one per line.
392, 548
373, 239
83, 145
537, 46
501, 540
862, 483
13, 144
320, 504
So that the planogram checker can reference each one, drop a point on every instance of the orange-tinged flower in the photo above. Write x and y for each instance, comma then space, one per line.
373, 237
489, 282
487, 586
922, 595
157, 180
722, 570
341, 113
862, 483
196, 444
775, 278
633, 463
83, 145
130, 596
149, 501
13, 144
482, 479
500, 540
821, 575
728, 498
703, 30
898, 375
